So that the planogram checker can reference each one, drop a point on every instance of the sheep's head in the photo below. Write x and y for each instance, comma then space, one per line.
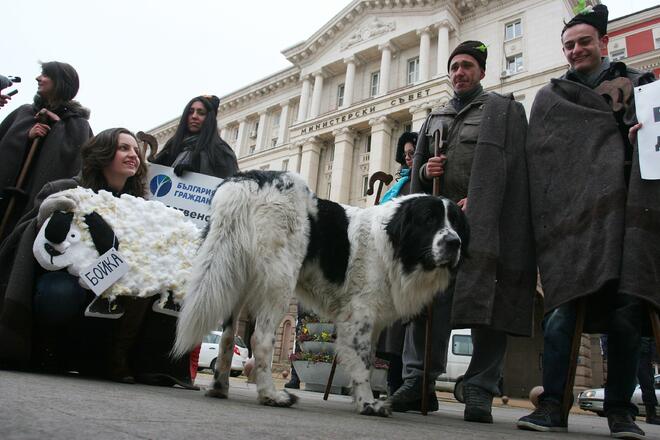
60, 244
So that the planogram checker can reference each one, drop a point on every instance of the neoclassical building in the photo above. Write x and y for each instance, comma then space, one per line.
374, 71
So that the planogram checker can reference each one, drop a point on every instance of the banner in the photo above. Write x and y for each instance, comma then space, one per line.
647, 104
191, 193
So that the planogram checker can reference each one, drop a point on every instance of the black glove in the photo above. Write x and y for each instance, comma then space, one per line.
182, 167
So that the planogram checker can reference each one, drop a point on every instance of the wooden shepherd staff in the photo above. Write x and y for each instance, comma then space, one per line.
41, 118
383, 179
439, 137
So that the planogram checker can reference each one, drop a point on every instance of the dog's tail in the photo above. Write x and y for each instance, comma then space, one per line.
219, 275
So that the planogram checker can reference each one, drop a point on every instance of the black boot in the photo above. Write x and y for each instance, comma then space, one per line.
294, 382
409, 396
651, 416
125, 336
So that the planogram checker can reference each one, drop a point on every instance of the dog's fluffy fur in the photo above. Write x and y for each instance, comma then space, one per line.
363, 268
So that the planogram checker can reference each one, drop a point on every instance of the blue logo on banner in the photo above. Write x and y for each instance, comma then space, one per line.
160, 185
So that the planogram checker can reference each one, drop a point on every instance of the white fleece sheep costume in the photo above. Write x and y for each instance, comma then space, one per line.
158, 243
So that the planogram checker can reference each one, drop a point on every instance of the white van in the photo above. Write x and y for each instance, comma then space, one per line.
459, 354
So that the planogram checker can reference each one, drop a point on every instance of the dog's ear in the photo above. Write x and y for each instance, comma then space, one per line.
396, 227
58, 226
102, 234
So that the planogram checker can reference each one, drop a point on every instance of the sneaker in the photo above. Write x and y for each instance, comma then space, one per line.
546, 418
409, 397
622, 425
478, 404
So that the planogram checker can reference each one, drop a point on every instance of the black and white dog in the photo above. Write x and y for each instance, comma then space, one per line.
363, 268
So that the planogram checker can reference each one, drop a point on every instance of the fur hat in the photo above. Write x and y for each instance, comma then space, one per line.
408, 136
475, 49
595, 16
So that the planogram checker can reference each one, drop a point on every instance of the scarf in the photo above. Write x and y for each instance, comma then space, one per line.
394, 191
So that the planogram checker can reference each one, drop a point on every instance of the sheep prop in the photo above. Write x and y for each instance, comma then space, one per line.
158, 243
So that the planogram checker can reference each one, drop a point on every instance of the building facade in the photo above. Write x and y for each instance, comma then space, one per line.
375, 70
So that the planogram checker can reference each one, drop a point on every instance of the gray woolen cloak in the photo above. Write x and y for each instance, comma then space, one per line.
590, 229
58, 154
496, 283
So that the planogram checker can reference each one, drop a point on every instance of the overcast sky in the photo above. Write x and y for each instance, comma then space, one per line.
140, 61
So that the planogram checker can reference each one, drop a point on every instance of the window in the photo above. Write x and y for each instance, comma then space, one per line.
375, 80
617, 54
413, 70
340, 95
365, 185
407, 128
656, 37
328, 189
513, 30
275, 119
251, 149
514, 64
273, 142
212, 338
461, 345
285, 164
234, 133
367, 144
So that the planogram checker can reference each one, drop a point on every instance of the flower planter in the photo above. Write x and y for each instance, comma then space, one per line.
318, 347
316, 328
314, 375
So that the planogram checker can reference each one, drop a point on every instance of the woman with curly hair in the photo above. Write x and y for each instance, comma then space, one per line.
42, 314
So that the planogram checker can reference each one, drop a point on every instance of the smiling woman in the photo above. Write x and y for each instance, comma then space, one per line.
51, 330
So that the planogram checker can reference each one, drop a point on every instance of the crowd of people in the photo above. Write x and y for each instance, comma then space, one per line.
555, 197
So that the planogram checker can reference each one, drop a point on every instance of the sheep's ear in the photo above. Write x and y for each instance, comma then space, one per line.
102, 234
58, 226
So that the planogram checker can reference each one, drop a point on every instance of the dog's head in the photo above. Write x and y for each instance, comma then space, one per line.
59, 243
428, 231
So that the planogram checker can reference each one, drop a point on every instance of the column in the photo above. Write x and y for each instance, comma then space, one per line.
261, 130
340, 183
381, 142
284, 122
349, 83
385, 62
419, 114
223, 133
443, 47
316, 95
239, 147
424, 54
304, 99
309, 161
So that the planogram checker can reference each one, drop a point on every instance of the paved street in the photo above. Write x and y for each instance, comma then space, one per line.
37, 406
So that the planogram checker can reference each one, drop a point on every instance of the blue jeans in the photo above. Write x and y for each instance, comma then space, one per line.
623, 351
58, 298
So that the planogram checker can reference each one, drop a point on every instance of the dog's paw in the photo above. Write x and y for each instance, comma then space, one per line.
282, 399
217, 393
378, 408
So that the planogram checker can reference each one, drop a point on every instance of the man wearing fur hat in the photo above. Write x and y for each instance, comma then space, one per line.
483, 170
595, 220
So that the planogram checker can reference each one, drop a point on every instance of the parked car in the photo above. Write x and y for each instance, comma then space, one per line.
593, 399
208, 355
459, 354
